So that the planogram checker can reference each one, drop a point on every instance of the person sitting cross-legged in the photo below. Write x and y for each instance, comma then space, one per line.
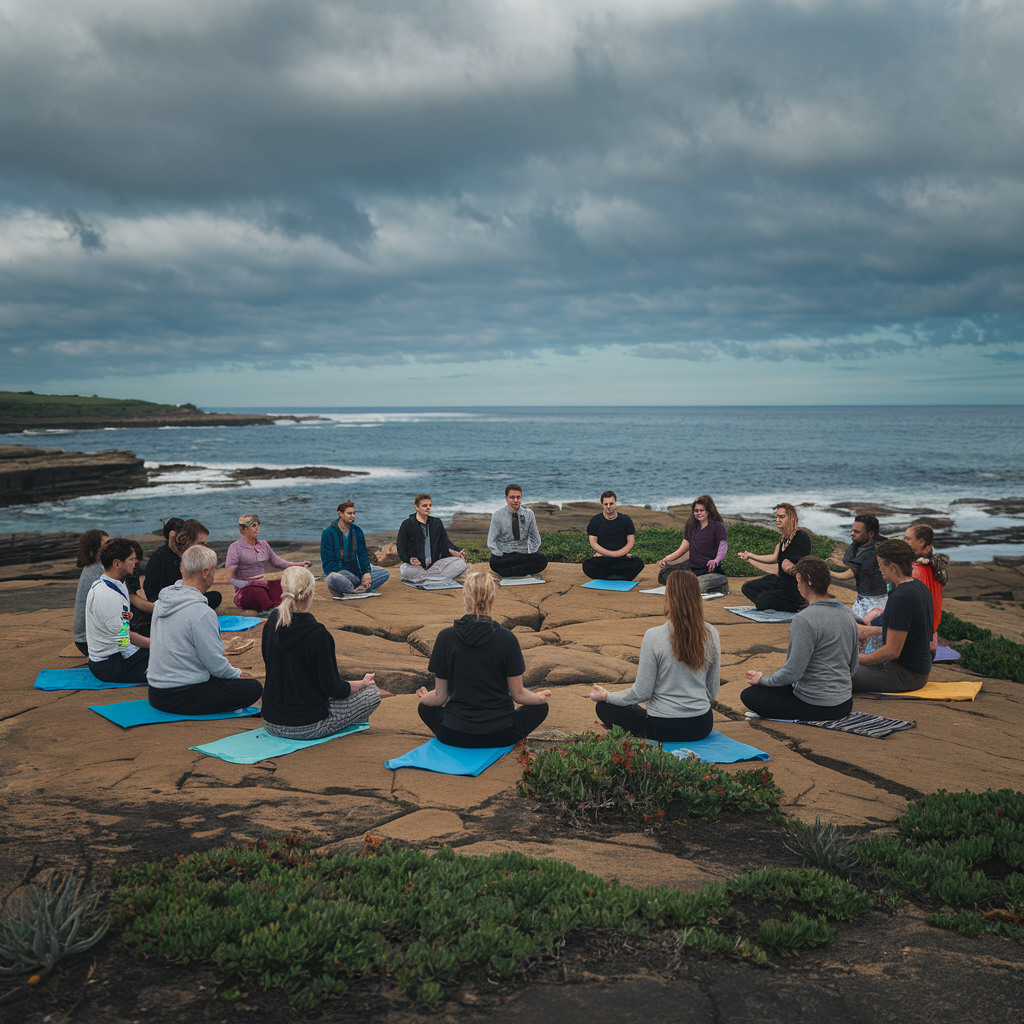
344, 557
424, 548
612, 536
778, 591
904, 660
705, 544
188, 672
247, 560
678, 675
513, 538
89, 545
305, 698
117, 654
814, 683
478, 678
861, 563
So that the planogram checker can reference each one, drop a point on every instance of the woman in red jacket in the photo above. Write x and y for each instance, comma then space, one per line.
931, 569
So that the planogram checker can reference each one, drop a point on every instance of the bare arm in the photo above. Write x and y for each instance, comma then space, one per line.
894, 641
437, 696
630, 541
848, 575
762, 560
523, 696
676, 556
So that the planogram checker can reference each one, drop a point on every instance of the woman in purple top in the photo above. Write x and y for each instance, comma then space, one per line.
704, 542
247, 560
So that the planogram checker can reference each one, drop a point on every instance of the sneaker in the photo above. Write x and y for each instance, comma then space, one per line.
751, 715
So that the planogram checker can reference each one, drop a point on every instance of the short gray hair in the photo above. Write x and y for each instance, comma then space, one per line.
197, 559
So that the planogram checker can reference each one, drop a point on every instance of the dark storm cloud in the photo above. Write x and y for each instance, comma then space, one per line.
379, 182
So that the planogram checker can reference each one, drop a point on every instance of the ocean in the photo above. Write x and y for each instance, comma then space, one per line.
949, 460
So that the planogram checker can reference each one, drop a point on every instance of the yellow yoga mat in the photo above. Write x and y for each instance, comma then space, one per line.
966, 690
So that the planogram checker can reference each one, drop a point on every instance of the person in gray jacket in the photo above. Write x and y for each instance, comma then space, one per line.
188, 673
513, 538
815, 684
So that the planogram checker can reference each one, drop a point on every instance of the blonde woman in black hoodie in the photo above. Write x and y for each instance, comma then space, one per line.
304, 698
478, 678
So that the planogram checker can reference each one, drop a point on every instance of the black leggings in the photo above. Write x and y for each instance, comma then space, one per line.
604, 567
768, 595
524, 720
780, 702
116, 669
634, 719
209, 698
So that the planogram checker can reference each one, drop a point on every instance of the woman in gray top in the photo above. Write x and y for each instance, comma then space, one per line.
815, 683
677, 676
89, 545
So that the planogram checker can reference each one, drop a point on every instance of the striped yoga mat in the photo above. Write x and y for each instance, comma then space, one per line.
863, 724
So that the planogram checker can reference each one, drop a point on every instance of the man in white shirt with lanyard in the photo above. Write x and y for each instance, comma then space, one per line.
116, 654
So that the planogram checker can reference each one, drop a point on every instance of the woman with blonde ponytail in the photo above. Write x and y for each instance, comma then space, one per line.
677, 676
304, 698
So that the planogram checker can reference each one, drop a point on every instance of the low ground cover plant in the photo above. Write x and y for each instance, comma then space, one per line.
652, 544
591, 773
311, 922
988, 655
961, 854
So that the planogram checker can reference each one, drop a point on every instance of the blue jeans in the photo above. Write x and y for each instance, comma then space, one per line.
344, 582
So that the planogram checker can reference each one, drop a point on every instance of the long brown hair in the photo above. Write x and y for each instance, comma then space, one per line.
89, 545
685, 610
792, 515
714, 516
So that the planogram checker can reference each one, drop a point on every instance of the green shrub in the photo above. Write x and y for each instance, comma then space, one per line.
591, 773
310, 922
953, 628
825, 846
988, 655
651, 545
964, 851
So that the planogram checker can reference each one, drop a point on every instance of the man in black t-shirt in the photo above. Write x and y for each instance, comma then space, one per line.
904, 660
611, 536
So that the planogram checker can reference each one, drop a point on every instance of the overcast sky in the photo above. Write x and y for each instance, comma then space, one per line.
442, 201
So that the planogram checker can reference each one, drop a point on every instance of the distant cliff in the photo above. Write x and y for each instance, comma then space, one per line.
30, 474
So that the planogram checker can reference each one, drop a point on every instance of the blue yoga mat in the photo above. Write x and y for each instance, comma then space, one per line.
947, 654
435, 756
717, 749
766, 616
74, 679
141, 712
611, 584
257, 745
237, 623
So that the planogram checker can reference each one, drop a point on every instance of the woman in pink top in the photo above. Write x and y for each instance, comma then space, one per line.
247, 560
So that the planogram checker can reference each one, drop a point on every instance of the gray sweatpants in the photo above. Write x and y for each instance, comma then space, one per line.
887, 678
442, 569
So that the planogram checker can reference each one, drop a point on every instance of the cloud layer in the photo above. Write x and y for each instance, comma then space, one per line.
453, 181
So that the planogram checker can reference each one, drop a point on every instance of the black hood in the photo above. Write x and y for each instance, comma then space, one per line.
287, 637
474, 631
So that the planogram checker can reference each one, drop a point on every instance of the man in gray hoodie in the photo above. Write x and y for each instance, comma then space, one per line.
189, 674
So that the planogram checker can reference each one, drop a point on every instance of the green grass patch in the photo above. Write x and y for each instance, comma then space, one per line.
592, 773
310, 923
988, 655
961, 853
653, 544
25, 405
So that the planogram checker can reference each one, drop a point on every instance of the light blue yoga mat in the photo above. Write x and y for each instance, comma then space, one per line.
947, 654
74, 679
257, 745
611, 584
237, 623
141, 712
717, 749
766, 616
435, 756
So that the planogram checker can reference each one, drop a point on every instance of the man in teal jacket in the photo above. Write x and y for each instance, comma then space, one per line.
344, 558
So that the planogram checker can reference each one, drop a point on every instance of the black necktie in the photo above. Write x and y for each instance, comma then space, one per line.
515, 526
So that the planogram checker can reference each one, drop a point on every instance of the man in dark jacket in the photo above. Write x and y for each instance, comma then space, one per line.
344, 558
164, 570
423, 546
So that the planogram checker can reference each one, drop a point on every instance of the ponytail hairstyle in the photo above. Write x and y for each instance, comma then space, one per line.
685, 610
297, 586
478, 593
188, 534
89, 545
794, 518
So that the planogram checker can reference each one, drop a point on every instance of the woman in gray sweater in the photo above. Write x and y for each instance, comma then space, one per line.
815, 683
677, 676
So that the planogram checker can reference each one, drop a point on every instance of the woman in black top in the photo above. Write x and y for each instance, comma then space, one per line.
478, 678
304, 698
779, 591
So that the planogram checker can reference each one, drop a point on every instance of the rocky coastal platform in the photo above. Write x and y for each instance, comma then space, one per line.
79, 792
